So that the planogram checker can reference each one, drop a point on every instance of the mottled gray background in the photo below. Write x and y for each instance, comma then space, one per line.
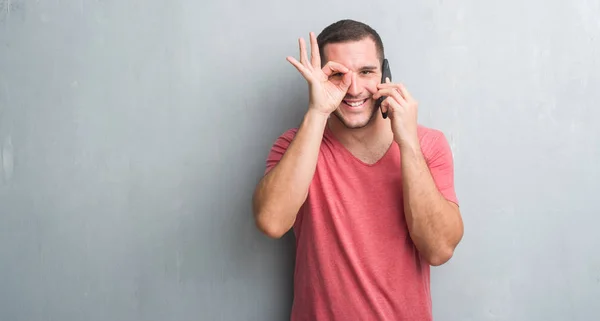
132, 134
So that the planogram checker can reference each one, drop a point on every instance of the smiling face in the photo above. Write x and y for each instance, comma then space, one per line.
357, 109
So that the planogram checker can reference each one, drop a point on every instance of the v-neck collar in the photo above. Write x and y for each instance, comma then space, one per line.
338, 145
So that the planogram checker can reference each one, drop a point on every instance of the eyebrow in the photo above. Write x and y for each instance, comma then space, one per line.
369, 68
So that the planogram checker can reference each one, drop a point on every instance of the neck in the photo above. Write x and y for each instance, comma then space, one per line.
377, 132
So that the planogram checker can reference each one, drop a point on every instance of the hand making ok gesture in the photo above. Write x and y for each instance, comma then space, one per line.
325, 95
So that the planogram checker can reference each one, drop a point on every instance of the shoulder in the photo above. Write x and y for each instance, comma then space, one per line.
439, 158
289, 134
285, 138
428, 134
433, 142
279, 147
283, 141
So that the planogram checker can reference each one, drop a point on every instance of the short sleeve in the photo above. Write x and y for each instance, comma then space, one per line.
278, 149
441, 165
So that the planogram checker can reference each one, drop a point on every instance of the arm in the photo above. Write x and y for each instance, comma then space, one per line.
432, 215
282, 191
433, 219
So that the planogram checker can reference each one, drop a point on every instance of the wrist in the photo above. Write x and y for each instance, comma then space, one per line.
314, 116
409, 145
315, 120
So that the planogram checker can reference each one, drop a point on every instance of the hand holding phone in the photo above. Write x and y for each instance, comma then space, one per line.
403, 106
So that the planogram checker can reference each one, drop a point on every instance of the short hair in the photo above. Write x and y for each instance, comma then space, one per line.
348, 30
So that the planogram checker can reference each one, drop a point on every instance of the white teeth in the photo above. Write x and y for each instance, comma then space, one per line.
355, 104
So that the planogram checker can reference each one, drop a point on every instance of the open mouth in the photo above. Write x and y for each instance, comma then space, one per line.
355, 103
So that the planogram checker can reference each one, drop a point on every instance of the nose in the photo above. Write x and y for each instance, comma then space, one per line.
355, 87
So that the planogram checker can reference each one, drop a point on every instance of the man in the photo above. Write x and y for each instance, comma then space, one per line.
371, 199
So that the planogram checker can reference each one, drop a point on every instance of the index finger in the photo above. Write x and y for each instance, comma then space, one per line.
405, 92
332, 67
387, 84
400, 87
314, 51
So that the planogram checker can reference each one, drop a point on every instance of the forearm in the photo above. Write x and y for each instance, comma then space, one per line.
280, 194
434, 224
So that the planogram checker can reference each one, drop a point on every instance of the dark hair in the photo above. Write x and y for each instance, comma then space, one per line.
349, 30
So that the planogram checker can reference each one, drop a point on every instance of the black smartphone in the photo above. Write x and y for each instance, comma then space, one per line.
385, 73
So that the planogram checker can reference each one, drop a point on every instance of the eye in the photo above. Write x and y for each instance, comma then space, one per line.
366, 72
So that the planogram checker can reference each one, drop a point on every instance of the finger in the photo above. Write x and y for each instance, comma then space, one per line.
388, 84
303, 55
388, 105
314, 55
346, 81
390, 92
301, 68
399, 87
385, 107
405, 92
333, 67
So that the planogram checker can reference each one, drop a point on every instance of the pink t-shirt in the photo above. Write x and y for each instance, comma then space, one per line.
355, 259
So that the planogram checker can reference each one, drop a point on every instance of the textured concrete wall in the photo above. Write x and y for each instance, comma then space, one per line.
132, 134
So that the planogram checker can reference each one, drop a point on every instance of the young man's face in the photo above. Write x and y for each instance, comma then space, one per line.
358, 108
